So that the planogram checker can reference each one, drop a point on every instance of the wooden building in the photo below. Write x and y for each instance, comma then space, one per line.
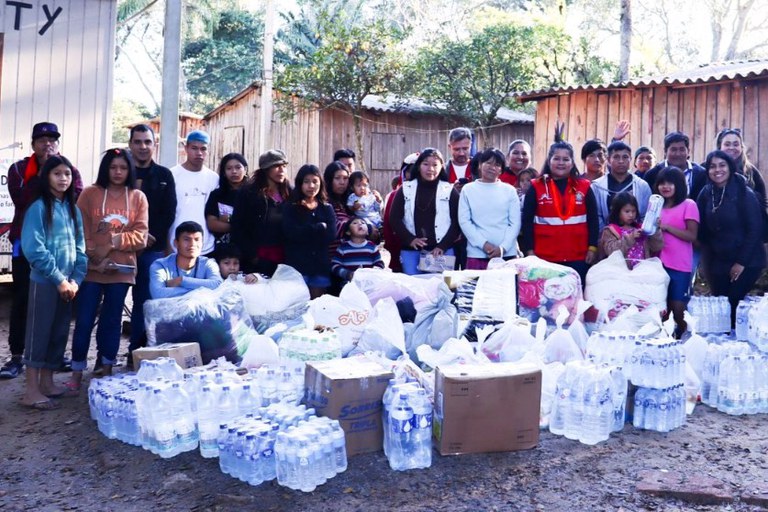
699, 102
390, 132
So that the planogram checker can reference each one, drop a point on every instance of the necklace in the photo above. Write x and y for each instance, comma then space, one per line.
719, 203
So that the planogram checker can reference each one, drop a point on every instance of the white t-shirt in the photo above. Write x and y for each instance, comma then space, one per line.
192, 191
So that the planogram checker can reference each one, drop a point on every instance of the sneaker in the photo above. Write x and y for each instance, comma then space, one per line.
11, 369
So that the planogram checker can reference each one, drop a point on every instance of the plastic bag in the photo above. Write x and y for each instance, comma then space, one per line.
348, 314
483, 297
435, 323
377, 284
216, 319
612, 287
543, 287
646, 323
559, 346
550, 373
453, 351
384, 331
695, 348
282, 297
261, 350
508, 342
577, 329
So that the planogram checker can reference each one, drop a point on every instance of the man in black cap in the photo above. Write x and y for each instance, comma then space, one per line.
24, 186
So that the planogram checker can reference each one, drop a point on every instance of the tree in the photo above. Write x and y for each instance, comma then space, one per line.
351, 62
626, 39
470, 80
219, 66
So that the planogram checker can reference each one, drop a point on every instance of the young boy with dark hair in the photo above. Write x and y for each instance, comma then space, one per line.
228, 257
356, 251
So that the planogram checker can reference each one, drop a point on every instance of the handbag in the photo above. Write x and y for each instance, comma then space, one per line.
431, 264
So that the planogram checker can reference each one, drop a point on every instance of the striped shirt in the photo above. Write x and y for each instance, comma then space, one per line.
351, 256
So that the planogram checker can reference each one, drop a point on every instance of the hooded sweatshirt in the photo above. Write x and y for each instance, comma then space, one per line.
115, 225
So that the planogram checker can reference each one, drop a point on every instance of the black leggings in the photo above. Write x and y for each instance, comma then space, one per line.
721, 285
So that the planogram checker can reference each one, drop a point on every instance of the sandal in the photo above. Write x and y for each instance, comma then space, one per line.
42, 405
72, 389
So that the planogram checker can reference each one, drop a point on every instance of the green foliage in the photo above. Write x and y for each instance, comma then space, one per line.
124, 112
471, 79
219, 66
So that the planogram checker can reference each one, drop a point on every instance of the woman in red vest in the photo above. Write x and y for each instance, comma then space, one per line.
560, 222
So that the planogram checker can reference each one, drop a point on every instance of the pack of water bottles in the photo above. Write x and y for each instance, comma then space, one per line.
407, 421
112, 403
590, 402
282, 441
735, 378
755, 309
310, 345
612, 347
657, 363
713, 314
661, 410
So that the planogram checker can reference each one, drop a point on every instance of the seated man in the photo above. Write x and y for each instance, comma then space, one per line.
185, 270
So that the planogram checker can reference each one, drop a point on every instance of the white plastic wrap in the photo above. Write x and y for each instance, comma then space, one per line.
612, 287
282, 297
377, 284
216, 319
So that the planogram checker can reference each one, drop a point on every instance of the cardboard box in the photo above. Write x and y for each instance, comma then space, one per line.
350, 390
486, 408
186, 355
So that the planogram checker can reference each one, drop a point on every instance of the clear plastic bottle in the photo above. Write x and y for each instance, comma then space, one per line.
305, 469
561, 401
422, 429
207, 423
401, 443
638, 416
339, 446
597, 416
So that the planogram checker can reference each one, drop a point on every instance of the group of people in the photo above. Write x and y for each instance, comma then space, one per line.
163, 232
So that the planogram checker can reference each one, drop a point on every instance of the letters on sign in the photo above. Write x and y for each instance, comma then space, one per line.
50, 17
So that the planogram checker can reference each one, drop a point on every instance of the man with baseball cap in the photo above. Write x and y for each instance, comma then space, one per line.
24, 186
194, 183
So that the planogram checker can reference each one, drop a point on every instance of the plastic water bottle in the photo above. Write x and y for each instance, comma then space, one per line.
401, 447
180, 413
339, 447
619, 398
638, 417
305, 470
575, 407
207, 423
561, 402
597, 416
421, 434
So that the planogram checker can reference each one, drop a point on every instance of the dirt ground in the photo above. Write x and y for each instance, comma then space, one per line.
57, 460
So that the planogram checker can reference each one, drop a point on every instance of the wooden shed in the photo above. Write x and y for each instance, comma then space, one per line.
390, 132
699, 102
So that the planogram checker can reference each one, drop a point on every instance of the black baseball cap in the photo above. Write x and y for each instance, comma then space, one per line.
45, 129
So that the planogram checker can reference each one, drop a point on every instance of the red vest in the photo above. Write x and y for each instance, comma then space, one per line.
560, 230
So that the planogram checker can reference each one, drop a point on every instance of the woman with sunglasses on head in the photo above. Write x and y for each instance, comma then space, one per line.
731, 141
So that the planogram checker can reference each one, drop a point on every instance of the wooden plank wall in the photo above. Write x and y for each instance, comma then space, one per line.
63, 76
313, 136
700, 111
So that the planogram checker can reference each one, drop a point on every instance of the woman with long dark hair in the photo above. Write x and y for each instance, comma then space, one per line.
309, 225
233, 173
424, 212
731, 230
115, 216
560, 221
257, 227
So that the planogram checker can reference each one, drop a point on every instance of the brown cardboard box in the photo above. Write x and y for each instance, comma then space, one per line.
487, 408
186, 354
350, 390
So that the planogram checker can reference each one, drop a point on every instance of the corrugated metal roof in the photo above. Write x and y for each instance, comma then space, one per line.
706, 73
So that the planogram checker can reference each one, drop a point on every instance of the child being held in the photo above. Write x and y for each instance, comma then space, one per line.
228, 258
362, 201
356, 251
623, 233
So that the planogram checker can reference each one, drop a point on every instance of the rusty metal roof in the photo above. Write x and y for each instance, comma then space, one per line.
706, 73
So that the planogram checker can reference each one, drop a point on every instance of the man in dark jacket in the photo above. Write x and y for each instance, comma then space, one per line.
677, 152
157, 184
24, 188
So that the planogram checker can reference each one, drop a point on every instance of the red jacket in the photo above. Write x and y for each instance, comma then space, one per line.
560, 229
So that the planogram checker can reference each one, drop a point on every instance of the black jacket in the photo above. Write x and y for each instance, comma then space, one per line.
731, 230
698, 178
307, 235
257, 221
158, 185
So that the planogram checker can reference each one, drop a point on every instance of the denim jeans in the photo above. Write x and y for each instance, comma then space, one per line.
140, 296
110, 321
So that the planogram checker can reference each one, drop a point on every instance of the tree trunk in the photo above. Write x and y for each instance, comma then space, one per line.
626, 39
360, 153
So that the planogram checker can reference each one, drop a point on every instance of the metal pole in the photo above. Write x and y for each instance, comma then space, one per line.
169, 109
265, 133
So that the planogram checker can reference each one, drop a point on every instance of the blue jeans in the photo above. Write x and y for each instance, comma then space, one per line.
140, 296
409, 259
110, 322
